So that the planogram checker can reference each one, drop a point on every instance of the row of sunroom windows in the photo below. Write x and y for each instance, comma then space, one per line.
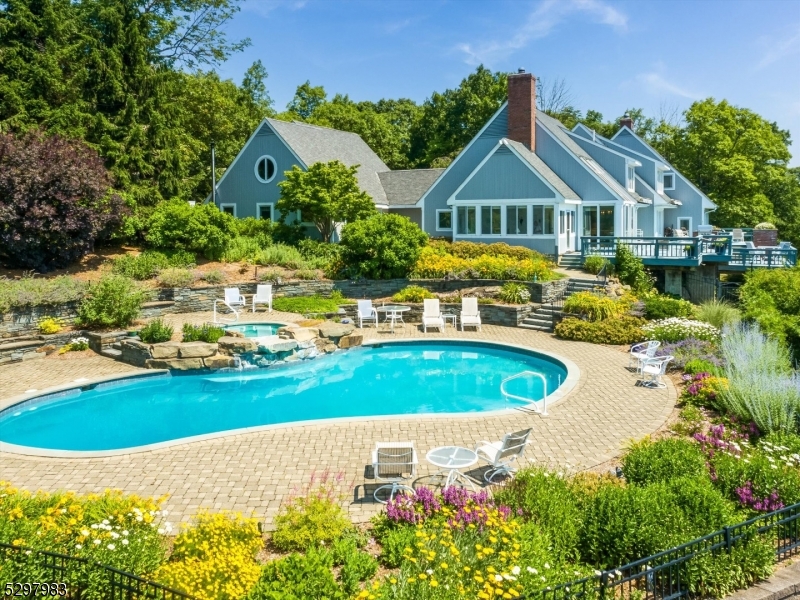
536, 219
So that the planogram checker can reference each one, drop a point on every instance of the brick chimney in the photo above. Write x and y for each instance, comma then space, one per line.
522, 108
626, 121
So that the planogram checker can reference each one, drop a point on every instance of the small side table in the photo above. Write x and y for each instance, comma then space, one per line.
452, 317
451, 459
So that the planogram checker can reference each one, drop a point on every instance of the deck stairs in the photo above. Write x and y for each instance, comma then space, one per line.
571, 260
546, 315
113, 351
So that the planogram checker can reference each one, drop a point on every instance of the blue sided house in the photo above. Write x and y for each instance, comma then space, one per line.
524, 179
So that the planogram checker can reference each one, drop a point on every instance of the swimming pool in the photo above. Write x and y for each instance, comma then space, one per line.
399, 378
256, 329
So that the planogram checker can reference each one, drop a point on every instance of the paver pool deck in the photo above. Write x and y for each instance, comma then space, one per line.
255, 472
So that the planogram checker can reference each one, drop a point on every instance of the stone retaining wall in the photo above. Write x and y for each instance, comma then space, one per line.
31, 347
21, 322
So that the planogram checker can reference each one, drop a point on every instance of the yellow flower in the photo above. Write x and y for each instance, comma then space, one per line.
443, 565
392, 580
434, 583
423, 576
478, 578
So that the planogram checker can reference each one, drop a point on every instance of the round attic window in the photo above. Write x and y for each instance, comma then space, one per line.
265, 169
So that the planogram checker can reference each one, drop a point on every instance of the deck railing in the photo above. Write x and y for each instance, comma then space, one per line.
646, 248
751, 258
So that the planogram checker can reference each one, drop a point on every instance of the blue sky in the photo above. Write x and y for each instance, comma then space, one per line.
612, 54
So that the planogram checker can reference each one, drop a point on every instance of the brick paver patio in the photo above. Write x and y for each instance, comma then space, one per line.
254, 472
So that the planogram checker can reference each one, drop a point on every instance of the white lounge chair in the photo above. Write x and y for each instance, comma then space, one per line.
641, 352
469, 313
431, 315
233, 300
366, 312
653, 370
500, 455
394, 462
263, 296
738, 235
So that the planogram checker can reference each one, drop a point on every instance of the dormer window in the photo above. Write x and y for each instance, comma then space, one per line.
630, 179
669, 181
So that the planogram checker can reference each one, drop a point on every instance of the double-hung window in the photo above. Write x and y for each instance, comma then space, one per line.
631, 178
490, 220
465, 220
542, 220
517, 220
669, 181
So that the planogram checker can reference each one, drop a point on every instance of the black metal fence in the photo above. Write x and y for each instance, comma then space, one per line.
667, 575
75, 578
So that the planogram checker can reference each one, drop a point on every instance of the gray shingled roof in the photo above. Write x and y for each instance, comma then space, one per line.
314, 144
405, 188
561, 133
542, 169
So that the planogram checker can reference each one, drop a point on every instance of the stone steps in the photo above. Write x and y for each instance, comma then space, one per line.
114, 353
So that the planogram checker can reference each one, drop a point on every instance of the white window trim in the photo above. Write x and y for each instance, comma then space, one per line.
630, 177
442, 210
477, 222
679, 219
272, 210
673, 181
255, 168
232, 205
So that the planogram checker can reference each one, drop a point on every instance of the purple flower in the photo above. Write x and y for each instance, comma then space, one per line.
747, 497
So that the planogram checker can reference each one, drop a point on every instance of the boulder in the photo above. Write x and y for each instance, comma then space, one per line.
196, 350
279, 346
134, 352
234, 333
329, 348
287, 329
219, 361
236, 345
334, 331
351, 341
302, 334
48, 349
175, 364
291, 358
307, 344
165, 350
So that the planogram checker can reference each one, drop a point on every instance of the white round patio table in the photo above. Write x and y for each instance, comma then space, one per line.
451, 459
394, 313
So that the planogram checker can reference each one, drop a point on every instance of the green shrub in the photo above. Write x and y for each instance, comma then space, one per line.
311, 519
298, 577
631, 271
660, 306
622, 330
664, 460
319, 255
468, 250
765, 225
594, 264
203, 229
383, 246
243, 248
148, 264
691, 421
413, 293
260, 229
307, 304
698, 365
307, 275
771, 297
213, 277
204, 333
49, 325
546, 500
114, 301
155, 332
271, 275
393, 545
594, 307
357, 567
718, 312
282, 256
514, 293
176, 278
38, 291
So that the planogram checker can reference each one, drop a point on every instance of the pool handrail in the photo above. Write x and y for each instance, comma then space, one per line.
532, 401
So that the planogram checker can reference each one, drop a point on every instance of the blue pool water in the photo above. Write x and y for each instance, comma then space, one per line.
392, 379
256, 329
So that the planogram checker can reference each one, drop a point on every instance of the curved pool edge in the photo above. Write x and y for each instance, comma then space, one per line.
566, 387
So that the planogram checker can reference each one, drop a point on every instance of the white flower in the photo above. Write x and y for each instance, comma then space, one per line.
27, 551
598, 573
542, 578
546, 565
515, 570
160, 531
168, 527
139, 519
114, 534
85, 532
124, 532
111, 546
96, 542
430, 572
105, 521
78, 546
531, 570
498, 578
124, 542
94, 525
509, 577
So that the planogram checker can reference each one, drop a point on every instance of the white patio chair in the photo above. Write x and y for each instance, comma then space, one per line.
431, 315
263, 296
738, 235
470, 316
640, 352
366, 312
653, 370
394, 462
233, 300
500, 455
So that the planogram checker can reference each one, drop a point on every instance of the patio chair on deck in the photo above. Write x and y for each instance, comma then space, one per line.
502, 454
366, 312
653, 370
431, 315
640, 352
394, 462
263, 296
470, 316
738, 235
233, 300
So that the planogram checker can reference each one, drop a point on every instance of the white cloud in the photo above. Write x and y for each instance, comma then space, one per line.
265, 7
778, 49
655, 82
396, 26
547, 15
